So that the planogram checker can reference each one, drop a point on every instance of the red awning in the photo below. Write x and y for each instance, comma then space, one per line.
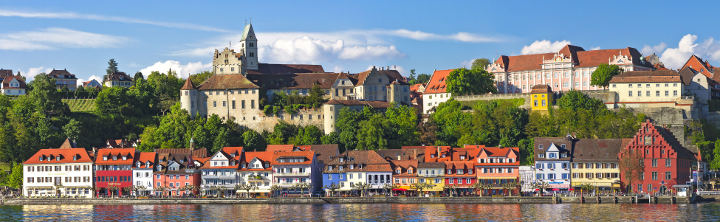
399, 189
555, 189
571, 189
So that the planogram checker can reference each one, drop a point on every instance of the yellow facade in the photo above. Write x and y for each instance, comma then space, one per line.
541, 101
596, 174
438, 183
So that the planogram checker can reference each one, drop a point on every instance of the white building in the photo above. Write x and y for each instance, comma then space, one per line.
143, 172
61, 172
219, 172
435, 91
12, 85
552, 163
360, 167
527, 177
256, 170
568, 69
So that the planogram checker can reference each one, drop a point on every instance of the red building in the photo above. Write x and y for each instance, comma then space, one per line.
113, 171
663, 161
497, 167
178, 171
460, 176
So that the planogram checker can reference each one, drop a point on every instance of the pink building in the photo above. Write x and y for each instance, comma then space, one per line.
568, 69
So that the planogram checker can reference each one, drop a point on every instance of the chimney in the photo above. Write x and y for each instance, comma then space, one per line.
398, 157
414, 153
438, 151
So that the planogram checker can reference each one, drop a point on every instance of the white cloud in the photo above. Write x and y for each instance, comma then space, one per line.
72, 15
544, 46
52, 38
657, 49
183, 70
96, 78
32, 72
674, 58
324, 47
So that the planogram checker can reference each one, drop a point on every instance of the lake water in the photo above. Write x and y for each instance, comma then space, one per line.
365, 212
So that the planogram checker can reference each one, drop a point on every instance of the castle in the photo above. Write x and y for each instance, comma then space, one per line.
241, 86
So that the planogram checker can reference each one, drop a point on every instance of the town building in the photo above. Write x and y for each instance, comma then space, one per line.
12, 85
659, 88
63, 172
595, 164
92, 84
552, 163
358, 167
432, 173
143, 173
497, 167
296, 168
177, 172
435, 91
404, 175
695, 65
240, 82
220, 172
256, 171
63, 79
113, 171
460, 176
416, 94
118, 79
541, 97
569, 68
527, 176
664, 162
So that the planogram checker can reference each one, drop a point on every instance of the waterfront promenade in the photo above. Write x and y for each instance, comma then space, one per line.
354, 200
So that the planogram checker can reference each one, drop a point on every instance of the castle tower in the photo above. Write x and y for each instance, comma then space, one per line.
188, 98
248, 43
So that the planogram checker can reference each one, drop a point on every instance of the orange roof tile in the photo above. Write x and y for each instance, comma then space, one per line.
308, 155
144, 157
437, 81
276, 148
105, 156
67, 155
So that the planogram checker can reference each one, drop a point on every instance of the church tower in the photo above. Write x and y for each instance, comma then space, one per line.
249, 48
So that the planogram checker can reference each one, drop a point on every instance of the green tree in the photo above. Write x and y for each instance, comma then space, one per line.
715, 164
372, 133
112, 67
603, 74
253, 140
480, 63
403, 122
308, 135
15, 179
464, 81
199, 78
575, 100
72, 129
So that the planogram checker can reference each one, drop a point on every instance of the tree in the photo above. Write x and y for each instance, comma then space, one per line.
479, 185
464, 81
510, 186
308, 135
72, 129
480, 63
199, 78
403, 130
388, 187
138, 76
362, 187
15, 179
631, 166
112, 67
332, 187
576, 100
603, 74
247, 187
253, 140
420, 187
372, 135
715, 164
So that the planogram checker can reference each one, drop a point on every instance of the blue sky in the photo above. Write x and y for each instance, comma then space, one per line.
340, 35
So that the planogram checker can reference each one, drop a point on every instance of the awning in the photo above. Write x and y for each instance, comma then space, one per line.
399, 189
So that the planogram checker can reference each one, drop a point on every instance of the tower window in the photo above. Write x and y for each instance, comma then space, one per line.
252, 54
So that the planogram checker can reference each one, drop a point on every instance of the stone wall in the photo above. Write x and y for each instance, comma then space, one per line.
485, 97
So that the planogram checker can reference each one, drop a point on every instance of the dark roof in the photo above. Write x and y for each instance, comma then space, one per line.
61, 74
294, 81
6, 82
5, 73
118, 76
231, 81
188, 85
542, 88
404, 154
325, 152
368, 159
280, 69
393, 75
664, 75
686, 74
547, 141
431, 165
587, 150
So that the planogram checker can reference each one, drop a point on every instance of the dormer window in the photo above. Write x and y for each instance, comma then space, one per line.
352, 166
75, 157
462, 157
449, 171
138, 164
330, 167
398, 171
267, 165
114, 157
105, 158
460, 171
41, 158
410, 170
124, 158
340, 167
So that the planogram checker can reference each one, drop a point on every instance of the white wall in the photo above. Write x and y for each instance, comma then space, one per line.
84, 174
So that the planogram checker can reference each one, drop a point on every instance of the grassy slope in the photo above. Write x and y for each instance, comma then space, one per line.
80, 105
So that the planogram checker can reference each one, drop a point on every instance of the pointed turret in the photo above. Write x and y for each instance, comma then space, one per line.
249, 49
188, 85
248, 32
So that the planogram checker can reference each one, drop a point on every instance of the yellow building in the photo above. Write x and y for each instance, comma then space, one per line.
595, 163
541, 97
432, 173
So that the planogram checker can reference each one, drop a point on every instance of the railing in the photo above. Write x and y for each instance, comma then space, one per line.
291, 174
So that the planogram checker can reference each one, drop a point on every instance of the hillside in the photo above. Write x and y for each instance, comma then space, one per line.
80, 105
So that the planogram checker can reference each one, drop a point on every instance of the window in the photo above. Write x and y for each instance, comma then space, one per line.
539, 176
252, 103
668, 162
538, 166
667, 93
565, 176
654, 162
551, 176
668, 175
550, 165
654, 175
657, 93
233, 104
647, 93
541, 155
214, 103
629, 93
674, 91
639, 93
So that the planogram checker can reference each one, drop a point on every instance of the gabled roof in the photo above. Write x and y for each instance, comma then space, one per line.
404, 165
143, 158
579, 56
188, 85
7, 80
263, 156
362, 160
698, 65
282, 147
541, 88
393, 75
5, 73
655, 76
295, 81
597, 150
325, 152
61, 74
437, 82
118, 76
247, 32
67, 155
307, 156
117, 153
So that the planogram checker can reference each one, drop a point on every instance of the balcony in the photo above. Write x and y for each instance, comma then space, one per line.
292, 174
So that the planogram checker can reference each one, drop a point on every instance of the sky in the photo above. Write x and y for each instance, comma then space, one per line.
81, 36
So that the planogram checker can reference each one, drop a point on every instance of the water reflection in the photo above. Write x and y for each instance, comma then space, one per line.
365, 212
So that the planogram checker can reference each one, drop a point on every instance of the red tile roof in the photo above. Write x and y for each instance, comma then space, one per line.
230, 81
437, 81
307, 155
188, 85
67, 155
144, 157
276, 148
580, 57
109, 153
6, 82
542, 88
